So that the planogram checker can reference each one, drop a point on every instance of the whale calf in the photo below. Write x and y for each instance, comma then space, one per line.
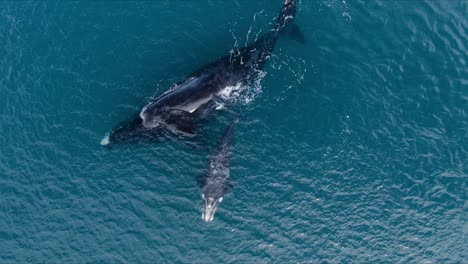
215, 182
176, 109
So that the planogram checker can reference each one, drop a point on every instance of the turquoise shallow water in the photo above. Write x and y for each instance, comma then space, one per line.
353, 147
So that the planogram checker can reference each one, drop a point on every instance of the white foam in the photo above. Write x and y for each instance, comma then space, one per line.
105, 141
229, 90
241, 93
219, 106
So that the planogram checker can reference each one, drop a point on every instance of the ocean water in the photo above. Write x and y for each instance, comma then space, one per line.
352, 148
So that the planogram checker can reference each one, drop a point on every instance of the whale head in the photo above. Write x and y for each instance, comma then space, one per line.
210, 206
105, 141
131, 132
212, 195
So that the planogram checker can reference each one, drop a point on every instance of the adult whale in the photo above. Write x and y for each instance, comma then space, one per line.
215, 182
176, 108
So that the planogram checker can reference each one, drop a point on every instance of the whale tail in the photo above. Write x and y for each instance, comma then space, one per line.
285, 25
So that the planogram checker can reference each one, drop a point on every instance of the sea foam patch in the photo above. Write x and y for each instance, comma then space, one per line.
230, 91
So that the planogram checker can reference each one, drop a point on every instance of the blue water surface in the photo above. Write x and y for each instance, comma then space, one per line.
352, 148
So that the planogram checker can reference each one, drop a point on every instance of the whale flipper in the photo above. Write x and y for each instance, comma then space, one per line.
200, 180
293, 32
228, 186
179, 121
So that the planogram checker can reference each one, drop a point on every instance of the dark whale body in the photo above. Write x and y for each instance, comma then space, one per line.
176, 109
215, 182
